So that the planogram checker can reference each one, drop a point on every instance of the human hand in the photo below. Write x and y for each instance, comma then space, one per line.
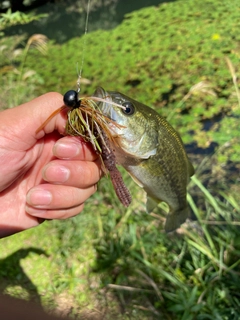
42, 175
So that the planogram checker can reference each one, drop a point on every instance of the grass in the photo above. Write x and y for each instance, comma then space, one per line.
111, 262
108, 260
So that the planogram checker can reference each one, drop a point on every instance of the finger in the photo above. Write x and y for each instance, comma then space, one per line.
74, 148
22, 121
50, 197
51, 104
78, 174
44, 214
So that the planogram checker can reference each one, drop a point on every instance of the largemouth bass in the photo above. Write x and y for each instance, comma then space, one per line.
152, 152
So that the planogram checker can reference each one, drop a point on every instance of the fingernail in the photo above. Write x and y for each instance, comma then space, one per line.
56, 173
39, 197
66, 151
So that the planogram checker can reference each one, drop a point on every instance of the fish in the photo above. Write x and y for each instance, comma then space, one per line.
151, 151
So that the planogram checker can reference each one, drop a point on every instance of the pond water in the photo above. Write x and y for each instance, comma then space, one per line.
67, 20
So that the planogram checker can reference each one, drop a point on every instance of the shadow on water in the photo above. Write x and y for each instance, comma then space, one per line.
66, 21
12, 273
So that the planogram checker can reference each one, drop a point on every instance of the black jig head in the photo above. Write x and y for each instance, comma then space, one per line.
71, 100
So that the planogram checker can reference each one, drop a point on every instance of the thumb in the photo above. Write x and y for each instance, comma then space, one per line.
20, 124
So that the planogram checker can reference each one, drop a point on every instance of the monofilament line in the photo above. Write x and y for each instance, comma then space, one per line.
83, 48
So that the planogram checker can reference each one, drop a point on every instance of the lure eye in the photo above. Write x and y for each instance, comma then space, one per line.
71, 100
129, 108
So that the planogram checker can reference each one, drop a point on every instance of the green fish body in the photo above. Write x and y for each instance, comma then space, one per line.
152, 152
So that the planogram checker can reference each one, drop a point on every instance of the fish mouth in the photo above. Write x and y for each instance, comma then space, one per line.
106, 105
100, 93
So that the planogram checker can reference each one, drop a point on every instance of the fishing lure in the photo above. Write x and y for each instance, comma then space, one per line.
85, 119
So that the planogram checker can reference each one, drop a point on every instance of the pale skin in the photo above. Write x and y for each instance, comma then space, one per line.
43, 175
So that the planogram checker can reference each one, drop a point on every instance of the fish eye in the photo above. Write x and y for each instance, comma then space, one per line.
129, 108
71, 100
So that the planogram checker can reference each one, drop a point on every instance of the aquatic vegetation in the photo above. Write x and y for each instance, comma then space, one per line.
180, 45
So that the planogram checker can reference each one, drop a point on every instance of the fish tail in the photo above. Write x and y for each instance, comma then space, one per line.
176, 218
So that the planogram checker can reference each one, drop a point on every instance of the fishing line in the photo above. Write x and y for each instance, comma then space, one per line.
83, 50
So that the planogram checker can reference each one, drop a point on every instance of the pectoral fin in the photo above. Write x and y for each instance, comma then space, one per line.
151, 204
136, 180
